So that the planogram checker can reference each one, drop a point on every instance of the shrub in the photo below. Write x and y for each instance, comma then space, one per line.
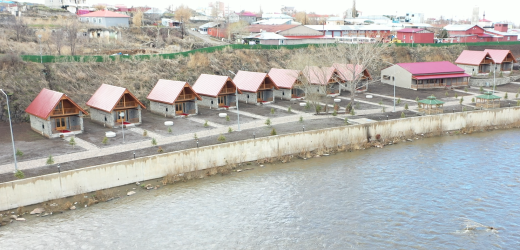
417, 98
221, 138
289, 109
273, 132
349, 106
398, 100
403, 115
406, 106
445, 94
335, 113
301, 118
318, 109
195, 136
357, 105
145, 133
481, 89
461, 100
472, 99
105, 140
19, 153
352, 112
465, 89
227, 118
383, 109
456, 96
50, 160
160, 150
206, 124
169, 130
380, 103
501, 75
307, 106
463, 109
230, 130
516, 95
272, 111
19, 174
345, 121
154, 142
518, 103
268, 122
505, 96
72, 142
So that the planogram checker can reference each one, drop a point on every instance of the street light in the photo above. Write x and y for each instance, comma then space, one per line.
39, 41
122, 115
494, 73
11, 127
393, 78
236, 97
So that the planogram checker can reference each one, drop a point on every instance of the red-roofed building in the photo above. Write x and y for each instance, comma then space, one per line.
410, 35
106, 18
347, 72
173, 98
216, 91
53, 114
288, 80
327, 77
256, 87
110, 102
503, 58
475, 62
425, 75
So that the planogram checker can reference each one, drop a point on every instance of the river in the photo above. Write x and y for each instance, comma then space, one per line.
412, 195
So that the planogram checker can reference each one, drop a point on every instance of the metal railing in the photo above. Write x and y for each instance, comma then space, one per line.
185, 97
437, 85
228, 90
126, 104
65, 111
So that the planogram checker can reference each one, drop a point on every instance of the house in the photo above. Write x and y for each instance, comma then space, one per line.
288, 80
324, 76
410, 35
247, 16
173, 98
501, 33
216, 91
335, 21
53, 114
503, 58
346, 73
105, 18
294, 34
112, 106
467, 33
475, 62
203, 29
70, 5
233, 18
425, 75
373, 31
256, 87
267, 38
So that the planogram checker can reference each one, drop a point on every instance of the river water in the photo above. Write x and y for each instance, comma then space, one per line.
413, 195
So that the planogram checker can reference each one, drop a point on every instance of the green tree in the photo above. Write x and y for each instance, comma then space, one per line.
289, 110
268, 122
230, 130
19, 153
19, 174
403, 115
50, 160
301, 119
154, 142
272, 111
273, 132
221, 138
72, 142
227, 118
406, 106
206, 124
105, 140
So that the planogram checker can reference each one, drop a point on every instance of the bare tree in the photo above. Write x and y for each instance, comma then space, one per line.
137, 18
58, 39
20, 28
71, 30
301, 17
183, 13
238, 29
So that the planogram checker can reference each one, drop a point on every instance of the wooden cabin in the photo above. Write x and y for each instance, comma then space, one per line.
256, 87
216, 91
173, 99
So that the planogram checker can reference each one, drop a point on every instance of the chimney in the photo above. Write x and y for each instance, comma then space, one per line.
502, 27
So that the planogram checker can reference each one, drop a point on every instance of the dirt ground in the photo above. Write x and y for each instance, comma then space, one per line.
155, 123
94, 133
509, 87
386, 89
212, 116
264, 110
30, 143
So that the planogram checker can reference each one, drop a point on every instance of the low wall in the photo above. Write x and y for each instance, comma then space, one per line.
499, 81
39, 189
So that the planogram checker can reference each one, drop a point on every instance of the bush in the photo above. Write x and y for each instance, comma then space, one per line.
72, 142
398, 100
227, 118
352, 112
505, 96
307, 106
160, 150
472, 99
273, 132
406, 106
206, 124
518, 103
380, 103
345, 121
456, 96
19, 174
465, 89
272, 111
301, 119
403, 115
445, 94
105, 140
461, 100
154, 142
334, 113
230, 130
289, 110
50, 160
145, 133
268, 122
169, 130
195, 136
318, 109
417, 98
19, 153
463, 109
221, 138
481, 89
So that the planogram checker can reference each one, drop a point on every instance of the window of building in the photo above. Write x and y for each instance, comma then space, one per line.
508, 38
404, 36
93, 20
386, 77
99, 20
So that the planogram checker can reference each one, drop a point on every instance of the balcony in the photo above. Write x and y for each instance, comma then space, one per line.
65, 111
185, 97
227, 91
438, 85
129, 104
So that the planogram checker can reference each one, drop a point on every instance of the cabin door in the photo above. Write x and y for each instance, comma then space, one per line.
122, 119
222, 101
61, 123
179, 108
259, 96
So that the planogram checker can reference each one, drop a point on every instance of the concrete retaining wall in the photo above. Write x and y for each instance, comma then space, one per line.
489, 82
39, 189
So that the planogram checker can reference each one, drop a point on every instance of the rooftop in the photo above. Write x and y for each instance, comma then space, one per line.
499, 55
107, 96
167, 91
284, 78
211, 85
472, 57
104, 13
423, 68
45, 102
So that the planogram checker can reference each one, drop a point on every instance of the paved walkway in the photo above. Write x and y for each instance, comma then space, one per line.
82, 143
149, 133
284, 108
212, 124
248, 114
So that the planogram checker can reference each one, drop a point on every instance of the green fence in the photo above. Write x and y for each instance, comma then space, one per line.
52, 59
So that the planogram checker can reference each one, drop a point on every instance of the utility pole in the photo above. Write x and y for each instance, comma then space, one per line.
182, 28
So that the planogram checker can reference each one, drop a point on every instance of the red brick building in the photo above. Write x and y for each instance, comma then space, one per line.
475, 33
415, 36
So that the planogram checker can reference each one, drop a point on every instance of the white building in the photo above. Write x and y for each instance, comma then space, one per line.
70, 5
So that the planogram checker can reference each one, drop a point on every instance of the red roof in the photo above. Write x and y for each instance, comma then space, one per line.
256, 28
485, 20
424, 77
107, 96
247, 13
499, 55
472, 57
424, 68
284, 78
250, 81
167, 91
46, 101
317, 75
104, 13
211, 85
345, 71
409, 30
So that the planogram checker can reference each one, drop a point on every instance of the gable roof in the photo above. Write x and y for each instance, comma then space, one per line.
284, 78
107, 96
317, 75
250, 81
167, 91
257, 28
472, 57
457, 27
45, 102
499, 55
345, 71
103, 13
211, 85
420, 68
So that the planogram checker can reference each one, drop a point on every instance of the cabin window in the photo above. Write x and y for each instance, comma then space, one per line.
166, 109
105, 118
211, 102
283, 93
43, 126
99, 20
386, 77
247, 96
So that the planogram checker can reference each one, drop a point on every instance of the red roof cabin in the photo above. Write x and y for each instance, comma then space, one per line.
409, 35
114, 106
173, 99
288, 80
347, 72
475, 62
217, 92
425, 75
53, 114
503, 58
256, 87
327, 80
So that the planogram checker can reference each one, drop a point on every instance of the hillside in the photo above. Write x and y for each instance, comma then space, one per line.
80, 80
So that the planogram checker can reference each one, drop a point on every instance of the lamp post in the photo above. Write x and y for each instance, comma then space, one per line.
494, 73
39, 41
236, 97
122, 115
11, 128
